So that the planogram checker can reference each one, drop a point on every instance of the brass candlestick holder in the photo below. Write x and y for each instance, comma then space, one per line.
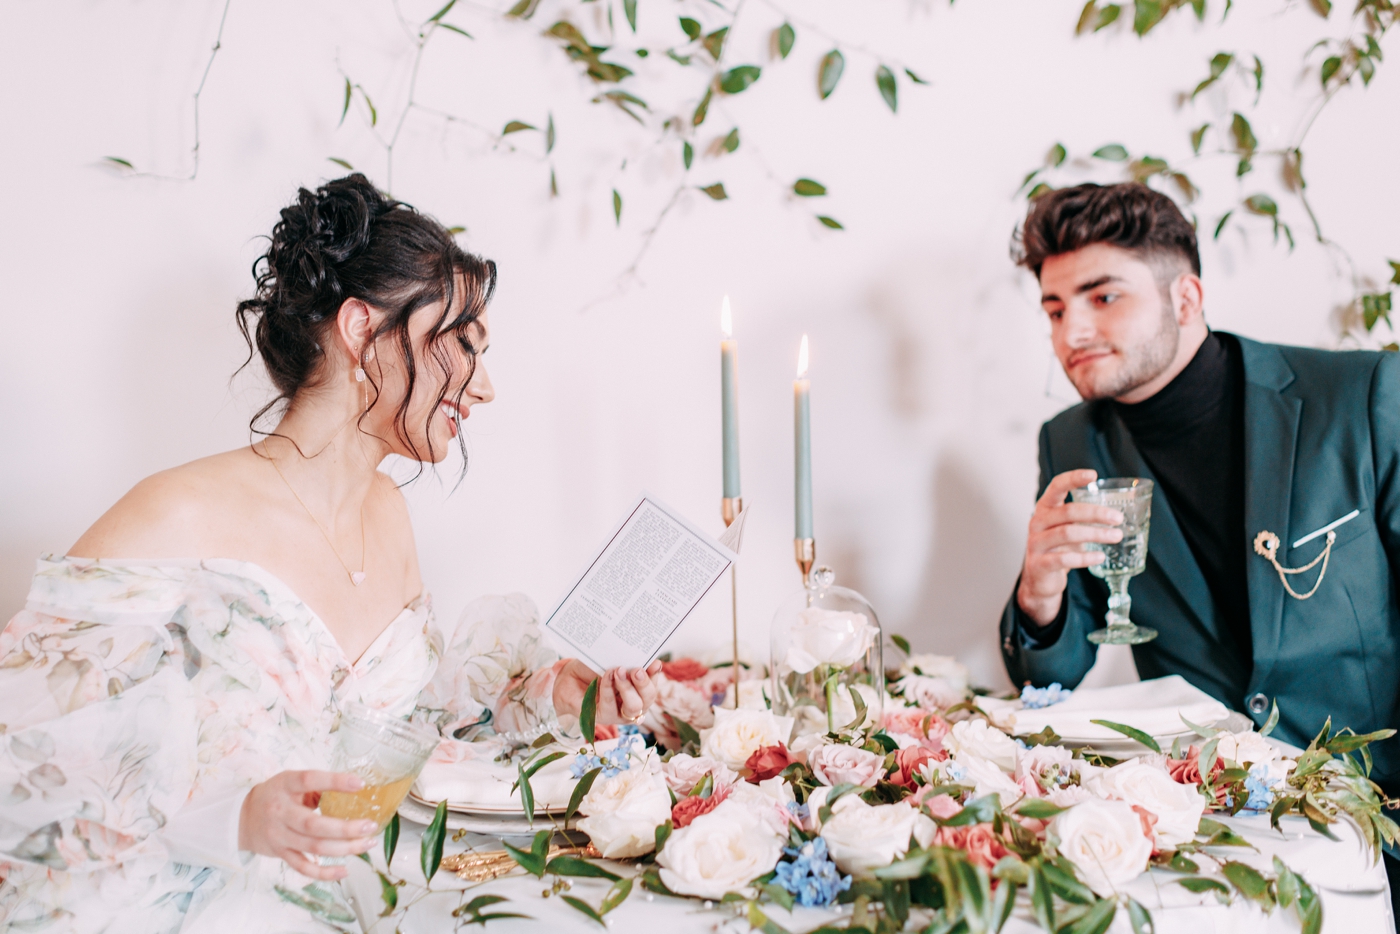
806, 551
730, 507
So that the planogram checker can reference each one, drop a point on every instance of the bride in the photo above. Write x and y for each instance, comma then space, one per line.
168, 693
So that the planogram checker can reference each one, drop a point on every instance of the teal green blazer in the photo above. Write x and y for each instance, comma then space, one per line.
1322, 438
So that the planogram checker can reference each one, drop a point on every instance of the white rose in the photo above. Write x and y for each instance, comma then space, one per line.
931, 693
838, 764
1104, 840
683, 772
752, 695
767, 802
978, 738
1178, 807
805, 744
986, 778
718, 853
807, 719
684, 702
829, 637
1068, 795
737, 734
1246, 746
937, 666
862, 837
624, 811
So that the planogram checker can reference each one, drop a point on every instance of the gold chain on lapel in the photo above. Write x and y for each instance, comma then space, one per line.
1266, 546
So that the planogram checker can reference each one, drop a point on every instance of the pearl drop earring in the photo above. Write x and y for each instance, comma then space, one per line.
359, 374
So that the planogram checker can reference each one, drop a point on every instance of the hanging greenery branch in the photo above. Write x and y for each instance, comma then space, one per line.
1356, 56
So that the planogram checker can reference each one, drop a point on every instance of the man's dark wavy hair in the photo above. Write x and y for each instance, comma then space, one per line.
1130, 216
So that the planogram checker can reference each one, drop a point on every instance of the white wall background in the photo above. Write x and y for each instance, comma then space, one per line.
931, 370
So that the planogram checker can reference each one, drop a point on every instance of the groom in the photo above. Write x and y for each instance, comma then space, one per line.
1241, 438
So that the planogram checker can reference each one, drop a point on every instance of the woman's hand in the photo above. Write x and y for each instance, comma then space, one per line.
279, 819
623, 696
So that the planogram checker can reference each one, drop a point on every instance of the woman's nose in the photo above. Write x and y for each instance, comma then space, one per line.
480, 386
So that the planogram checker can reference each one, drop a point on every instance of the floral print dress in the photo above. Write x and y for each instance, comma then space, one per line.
139, 701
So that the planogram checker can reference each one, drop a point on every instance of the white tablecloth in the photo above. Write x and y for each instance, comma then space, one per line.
1355, 895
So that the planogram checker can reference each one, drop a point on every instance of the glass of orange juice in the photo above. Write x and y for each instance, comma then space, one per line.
386, 752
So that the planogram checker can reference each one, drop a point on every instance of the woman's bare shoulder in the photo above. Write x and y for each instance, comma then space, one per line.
171, 514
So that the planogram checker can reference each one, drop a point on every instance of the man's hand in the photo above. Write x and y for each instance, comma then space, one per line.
623, 696
1053, 544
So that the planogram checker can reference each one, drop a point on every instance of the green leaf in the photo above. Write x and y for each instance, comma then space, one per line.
345, 108
1218, 64
1107, 16
831, 222
1330, 67
1245, 878
663, 833
1038, 190
1113, 152
617, 215
574, 866
859, 703
1272, 722
1198, 135
1394, 272
716, 191
1042, 899
580, 791
978, 811
1086, 17
1258, 77
783, 38
391, 839
833, 63
580, 905
915, 78
690, 27
1200, 884
434, 835
1180, 863
808, 189
527, 793
714, 42
1366, 67
1130, 731
779, 895
553, 184
703, 108
629, 7
616, 895
588, 711
1261, 204
1067, 886
1056, 156
548, 148
1097, 919
1243, 133
687, 154
441, 13
389, 894
1322, 8
910, 867
342, 163
1140, 918
1220, 227
532, 860
738, 79
457, 29
688, 734
1147, 14
884, 80
373, 113
1037, 808
902, 643
524, 9
731, 142
515, 126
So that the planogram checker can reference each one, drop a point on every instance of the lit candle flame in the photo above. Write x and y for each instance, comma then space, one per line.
726, 320
802, 359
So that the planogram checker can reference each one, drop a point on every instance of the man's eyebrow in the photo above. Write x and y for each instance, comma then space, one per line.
1095, 283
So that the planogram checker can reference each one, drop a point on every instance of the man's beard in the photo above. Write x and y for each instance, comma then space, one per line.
1141, 363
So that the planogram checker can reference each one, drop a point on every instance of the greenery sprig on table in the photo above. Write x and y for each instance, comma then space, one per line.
1328, 67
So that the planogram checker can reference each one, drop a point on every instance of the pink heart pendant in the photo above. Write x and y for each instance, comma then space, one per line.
357, 577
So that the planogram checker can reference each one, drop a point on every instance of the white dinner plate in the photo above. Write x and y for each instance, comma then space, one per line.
507, 825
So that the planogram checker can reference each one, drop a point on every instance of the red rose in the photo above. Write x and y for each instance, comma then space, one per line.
687, 809
981, 844
684, 669
907, 763
768, 761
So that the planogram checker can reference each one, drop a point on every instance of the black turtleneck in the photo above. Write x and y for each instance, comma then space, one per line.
1191, 434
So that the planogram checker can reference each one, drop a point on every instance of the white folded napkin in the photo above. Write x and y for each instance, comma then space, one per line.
1156, 707
481, 783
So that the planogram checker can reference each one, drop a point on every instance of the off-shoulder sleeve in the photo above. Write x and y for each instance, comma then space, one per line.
99, 735
495, 672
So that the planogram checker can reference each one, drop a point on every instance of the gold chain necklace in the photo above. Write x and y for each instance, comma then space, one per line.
356, 577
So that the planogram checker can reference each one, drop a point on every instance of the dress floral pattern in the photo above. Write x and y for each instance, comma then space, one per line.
140, 701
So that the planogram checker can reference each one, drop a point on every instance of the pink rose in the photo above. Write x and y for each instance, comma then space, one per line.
687, 809
942, 806
685, 669
908, 763
838, 764
685, 700
978, 841
926, 727
683, 772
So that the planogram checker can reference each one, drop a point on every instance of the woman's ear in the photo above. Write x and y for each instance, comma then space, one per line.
355, 331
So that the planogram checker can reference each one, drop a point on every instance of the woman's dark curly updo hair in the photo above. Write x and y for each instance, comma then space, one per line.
348, 240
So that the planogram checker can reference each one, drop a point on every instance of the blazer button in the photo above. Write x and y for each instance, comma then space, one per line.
1257, 704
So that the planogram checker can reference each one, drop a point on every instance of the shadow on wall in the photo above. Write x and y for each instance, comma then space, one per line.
954, 615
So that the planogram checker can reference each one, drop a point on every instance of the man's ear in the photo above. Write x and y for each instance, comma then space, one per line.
1188, 297
354, 330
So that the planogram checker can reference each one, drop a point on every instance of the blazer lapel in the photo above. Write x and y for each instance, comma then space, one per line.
1270, 445
1165, 543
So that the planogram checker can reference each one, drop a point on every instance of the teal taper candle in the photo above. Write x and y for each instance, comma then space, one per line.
729, 402
802, 436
